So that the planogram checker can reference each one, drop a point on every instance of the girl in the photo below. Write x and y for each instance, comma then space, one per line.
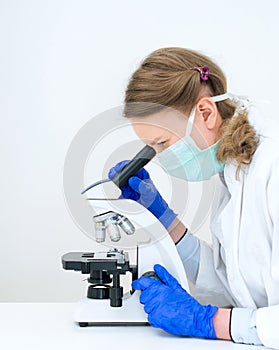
178, 104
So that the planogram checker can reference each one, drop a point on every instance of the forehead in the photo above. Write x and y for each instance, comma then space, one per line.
163, 123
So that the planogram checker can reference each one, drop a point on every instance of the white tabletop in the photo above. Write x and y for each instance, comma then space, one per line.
50, 326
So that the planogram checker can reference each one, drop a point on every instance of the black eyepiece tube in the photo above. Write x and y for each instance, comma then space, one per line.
139, 161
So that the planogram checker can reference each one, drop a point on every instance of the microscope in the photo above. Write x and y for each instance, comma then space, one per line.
132, 233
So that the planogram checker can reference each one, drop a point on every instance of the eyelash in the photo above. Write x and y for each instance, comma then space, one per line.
161, 143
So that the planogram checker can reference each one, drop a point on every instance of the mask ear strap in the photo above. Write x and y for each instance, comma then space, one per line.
219, 98
190, 122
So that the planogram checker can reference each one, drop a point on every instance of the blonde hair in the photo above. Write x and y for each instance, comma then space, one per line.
164, 79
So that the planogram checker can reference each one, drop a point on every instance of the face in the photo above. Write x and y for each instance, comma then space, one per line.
162, 129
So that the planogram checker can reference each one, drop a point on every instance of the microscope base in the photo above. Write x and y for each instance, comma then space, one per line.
93, 312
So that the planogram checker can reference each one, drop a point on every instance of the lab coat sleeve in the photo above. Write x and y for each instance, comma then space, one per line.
267, 326
243, 327
268, 317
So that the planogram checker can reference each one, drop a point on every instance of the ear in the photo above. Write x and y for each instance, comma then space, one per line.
209, 112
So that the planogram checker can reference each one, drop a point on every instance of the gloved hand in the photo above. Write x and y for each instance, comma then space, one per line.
172, 309
141, 189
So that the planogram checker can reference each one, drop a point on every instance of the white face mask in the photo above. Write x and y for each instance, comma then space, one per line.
185, 160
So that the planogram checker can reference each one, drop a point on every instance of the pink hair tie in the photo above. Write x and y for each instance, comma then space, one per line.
204, 72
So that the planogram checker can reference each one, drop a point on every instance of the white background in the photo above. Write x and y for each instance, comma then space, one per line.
62, 62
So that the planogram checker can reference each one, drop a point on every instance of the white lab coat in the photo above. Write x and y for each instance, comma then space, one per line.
242, 266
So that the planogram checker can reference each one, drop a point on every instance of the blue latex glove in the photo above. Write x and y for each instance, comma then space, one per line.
172, 309
141, 189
